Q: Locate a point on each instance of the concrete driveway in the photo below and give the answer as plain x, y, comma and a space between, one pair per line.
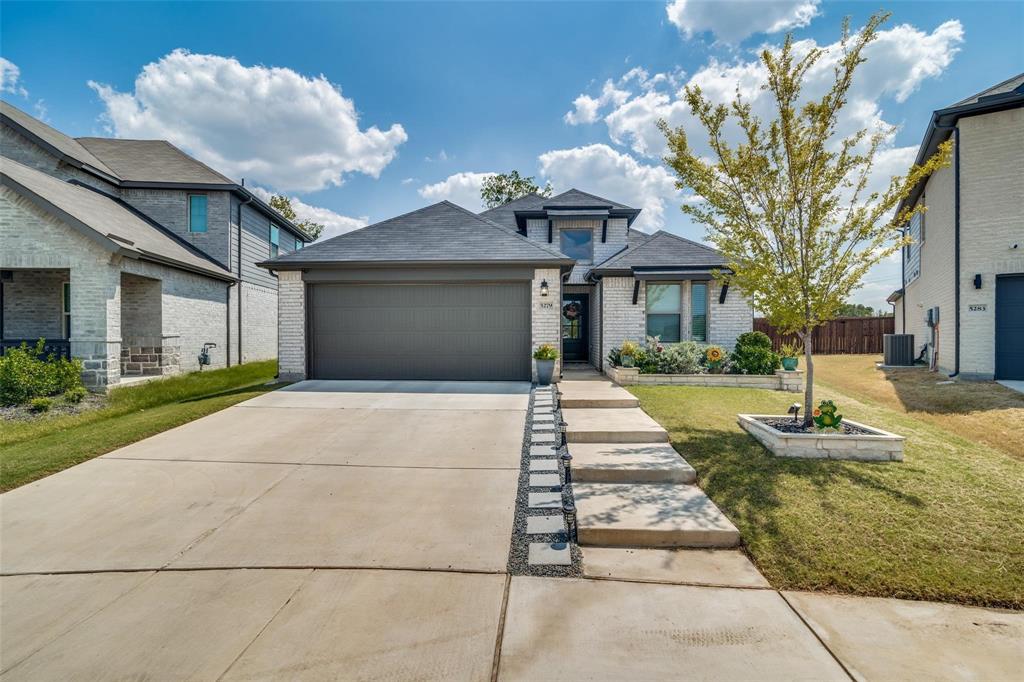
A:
361, 530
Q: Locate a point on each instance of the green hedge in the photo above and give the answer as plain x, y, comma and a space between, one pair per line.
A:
27, 373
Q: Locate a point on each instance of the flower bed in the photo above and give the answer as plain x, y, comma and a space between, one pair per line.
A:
857, 442
781, 380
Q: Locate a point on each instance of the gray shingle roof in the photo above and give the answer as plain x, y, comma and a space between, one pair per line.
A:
1008, 85
506, 213
105, 219
58, 141
578, 198
152, 161
663, 249
440, 233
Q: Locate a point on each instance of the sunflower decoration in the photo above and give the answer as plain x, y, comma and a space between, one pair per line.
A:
714, 356
825, 416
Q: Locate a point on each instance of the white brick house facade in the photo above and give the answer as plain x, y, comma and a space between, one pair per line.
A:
990, 137
146, 292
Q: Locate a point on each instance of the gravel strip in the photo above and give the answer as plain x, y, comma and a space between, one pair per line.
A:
519, 550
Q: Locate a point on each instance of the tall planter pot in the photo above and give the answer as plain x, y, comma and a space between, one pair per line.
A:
545, 370
790, 364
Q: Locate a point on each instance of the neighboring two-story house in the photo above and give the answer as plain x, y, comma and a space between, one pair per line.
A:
963, 275
132, 255
444, 293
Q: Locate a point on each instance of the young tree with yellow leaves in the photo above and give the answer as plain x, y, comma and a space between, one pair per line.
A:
788, 205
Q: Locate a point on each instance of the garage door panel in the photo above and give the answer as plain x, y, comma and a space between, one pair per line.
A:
420, 331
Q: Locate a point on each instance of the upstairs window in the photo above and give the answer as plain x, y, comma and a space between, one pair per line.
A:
298, 244
663, 311
275, 240
578, 244
197, 213
699, 311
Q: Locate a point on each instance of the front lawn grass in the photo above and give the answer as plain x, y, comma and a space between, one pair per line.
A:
33, 449
945, 524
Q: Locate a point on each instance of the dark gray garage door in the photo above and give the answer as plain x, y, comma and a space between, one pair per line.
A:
473, 332
1010, 327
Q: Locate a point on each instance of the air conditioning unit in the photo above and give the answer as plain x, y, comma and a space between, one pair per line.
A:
898, 349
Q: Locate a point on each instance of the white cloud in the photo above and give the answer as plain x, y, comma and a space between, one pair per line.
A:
269, 124
334, 223
585, 107
599, 169
898, 62
441, 156
10, 78
733, 21
462, 189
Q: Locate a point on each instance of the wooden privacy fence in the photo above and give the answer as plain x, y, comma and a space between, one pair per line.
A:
843, 335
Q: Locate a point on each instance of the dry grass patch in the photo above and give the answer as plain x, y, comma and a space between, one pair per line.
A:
981, 411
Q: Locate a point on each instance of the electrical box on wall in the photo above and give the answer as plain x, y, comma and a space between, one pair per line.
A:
931, 318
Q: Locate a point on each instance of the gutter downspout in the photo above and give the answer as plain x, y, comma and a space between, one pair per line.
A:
956, 241
240, 205
227, 323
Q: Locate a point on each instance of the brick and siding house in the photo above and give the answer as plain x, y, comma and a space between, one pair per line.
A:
443, 293
963, 275
132, 255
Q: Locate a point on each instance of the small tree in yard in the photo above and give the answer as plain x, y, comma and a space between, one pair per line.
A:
788, 205
502, 188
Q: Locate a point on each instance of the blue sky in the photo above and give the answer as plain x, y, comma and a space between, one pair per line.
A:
418, 100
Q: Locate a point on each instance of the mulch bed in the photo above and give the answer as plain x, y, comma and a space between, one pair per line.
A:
787, 425
91, 402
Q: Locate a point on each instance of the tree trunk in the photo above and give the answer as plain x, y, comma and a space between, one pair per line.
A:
808, 379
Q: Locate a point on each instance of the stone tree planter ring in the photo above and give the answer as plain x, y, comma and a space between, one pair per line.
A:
868, 444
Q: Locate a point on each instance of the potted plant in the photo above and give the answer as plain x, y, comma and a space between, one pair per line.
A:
545, 355
790, 356
628, 353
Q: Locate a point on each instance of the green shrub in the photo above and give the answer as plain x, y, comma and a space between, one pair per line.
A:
753, 355
26, 373
545, 351
75, 395
677, 358
40, 404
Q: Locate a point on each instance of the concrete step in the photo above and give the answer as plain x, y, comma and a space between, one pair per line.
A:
650, 515
629, 463
612, 425
595, 394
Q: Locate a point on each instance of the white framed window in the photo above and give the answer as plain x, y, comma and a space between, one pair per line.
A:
275, 240
665, 307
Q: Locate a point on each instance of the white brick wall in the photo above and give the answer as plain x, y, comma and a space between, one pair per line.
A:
728, 320
291, 302
259, 322
621, 320
991, 220
935, 285
537, 230
170, 208
33, 304
545, 317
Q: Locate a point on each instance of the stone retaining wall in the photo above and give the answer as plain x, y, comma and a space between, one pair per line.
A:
878, 445
782, 380
150, 356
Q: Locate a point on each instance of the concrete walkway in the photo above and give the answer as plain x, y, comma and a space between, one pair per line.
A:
354, 531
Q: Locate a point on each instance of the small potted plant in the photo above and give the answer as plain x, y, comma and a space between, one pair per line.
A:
790, 356
628, 353
545, 355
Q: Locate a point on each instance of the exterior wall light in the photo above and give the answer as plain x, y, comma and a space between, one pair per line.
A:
543, 287
977, 281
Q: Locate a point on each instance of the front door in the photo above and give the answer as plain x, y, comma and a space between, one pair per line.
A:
575, 325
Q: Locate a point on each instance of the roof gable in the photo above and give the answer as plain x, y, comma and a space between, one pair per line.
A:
574, 198
152, 161
106, 220
440, 233
663, 249
52, 139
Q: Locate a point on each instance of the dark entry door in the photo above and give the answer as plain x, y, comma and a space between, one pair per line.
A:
575, 326
1009, 327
